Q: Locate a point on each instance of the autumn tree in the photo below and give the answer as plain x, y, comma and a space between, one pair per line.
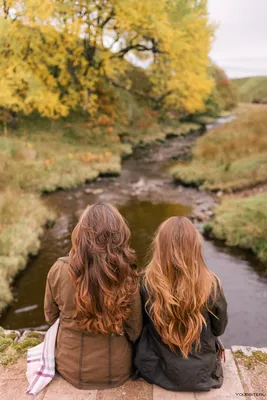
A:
55, 53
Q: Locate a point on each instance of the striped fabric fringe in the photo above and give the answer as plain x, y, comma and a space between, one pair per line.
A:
41, 362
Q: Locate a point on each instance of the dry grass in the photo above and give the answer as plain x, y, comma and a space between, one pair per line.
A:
242, 223
231, 157
22, 218
11, 349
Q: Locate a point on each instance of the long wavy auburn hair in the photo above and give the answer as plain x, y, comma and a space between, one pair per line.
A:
102, 268
179, 285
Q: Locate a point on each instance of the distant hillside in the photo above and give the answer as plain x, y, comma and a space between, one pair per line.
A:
253, 89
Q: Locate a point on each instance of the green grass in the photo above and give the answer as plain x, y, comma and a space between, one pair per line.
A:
231, 157
252, 90
250, 362
242, 223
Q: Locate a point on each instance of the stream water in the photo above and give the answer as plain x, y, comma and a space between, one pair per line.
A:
145, 195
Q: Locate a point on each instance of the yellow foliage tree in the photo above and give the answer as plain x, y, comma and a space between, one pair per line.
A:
55, 53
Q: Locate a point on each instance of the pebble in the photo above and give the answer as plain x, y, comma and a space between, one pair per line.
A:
97, 191
209, 213
141, 183
200, 216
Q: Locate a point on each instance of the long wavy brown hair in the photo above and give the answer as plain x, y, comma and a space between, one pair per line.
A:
102, 268
179, 285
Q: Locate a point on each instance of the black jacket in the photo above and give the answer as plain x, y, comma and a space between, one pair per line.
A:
201, 371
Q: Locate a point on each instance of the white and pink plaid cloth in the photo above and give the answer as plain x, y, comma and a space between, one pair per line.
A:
41, 362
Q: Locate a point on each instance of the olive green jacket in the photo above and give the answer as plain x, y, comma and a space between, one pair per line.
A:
86, 360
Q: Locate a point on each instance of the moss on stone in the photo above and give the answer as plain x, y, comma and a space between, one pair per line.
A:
250, 362
260, 356
11, 351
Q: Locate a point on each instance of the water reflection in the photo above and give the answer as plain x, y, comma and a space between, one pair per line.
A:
144, 218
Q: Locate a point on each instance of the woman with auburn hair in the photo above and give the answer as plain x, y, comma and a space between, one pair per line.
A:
185, 310
95, 293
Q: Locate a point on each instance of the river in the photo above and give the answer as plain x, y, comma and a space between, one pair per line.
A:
145, 195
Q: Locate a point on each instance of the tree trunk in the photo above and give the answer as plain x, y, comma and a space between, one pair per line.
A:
13, 119
5, 128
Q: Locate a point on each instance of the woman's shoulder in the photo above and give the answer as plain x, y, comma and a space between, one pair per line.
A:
61, 266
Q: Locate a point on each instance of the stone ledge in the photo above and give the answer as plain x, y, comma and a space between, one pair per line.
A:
252, 368
238, 380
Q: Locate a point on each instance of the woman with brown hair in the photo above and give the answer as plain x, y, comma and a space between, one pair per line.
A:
95, 293
185, 310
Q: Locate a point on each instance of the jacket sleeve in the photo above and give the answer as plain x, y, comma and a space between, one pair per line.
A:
51, 309
220, 318
133, 326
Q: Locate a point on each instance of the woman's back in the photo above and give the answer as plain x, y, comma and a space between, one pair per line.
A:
84, 359
184, 311
94, 345
202, 370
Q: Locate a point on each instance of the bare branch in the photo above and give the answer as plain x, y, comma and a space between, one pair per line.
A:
6, 9
156, 100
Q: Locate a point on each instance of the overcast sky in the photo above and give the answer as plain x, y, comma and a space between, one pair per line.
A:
240, 46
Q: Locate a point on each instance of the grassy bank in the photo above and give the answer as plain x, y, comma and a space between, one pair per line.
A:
242, 223
252, 89
22, 217
230, 157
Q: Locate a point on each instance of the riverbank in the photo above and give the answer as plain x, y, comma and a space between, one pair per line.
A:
42, 158
231, 161
23, 217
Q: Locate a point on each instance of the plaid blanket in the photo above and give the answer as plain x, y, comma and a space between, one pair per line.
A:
41, 362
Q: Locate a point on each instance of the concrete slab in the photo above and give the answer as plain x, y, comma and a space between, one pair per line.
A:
131, 390
13, 389
13, 383
252, 371
162, 394
14, 371
60, 389
231, 384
